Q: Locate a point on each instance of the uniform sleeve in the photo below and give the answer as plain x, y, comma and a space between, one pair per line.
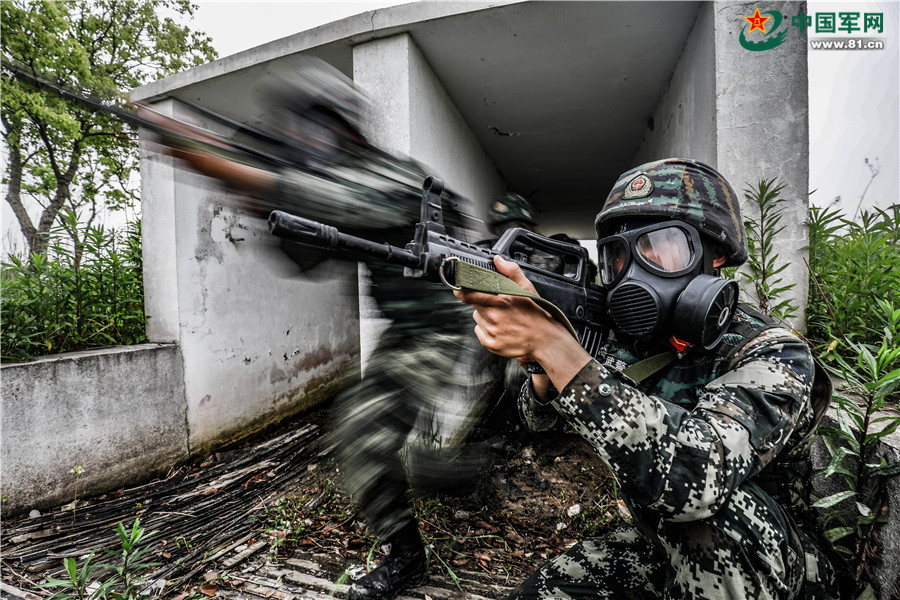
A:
373, 192
684, 463
535, 416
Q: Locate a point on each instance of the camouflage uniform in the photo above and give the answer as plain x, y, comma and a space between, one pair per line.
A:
377, 196
712, 451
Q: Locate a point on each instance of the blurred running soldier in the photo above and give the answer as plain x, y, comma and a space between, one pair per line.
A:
343, 181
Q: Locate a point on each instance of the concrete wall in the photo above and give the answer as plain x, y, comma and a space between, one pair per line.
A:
684, 122
259, 340
746, 114
119, 413
762, 128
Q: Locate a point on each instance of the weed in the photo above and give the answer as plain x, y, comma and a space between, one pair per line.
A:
122, 580
87, 291
762, 270
853, 268
853, 516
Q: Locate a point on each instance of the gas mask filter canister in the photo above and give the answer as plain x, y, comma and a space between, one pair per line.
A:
658, 285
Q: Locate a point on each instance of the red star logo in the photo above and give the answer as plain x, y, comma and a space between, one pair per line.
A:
757, 21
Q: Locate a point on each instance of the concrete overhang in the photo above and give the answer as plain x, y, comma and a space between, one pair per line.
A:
559, 94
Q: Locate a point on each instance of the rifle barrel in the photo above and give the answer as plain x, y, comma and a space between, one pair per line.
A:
235, 151
317, 234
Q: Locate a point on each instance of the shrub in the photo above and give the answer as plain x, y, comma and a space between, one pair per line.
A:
853, 266
78, 295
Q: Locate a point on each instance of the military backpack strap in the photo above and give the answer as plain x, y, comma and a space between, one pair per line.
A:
651, 365
822, 388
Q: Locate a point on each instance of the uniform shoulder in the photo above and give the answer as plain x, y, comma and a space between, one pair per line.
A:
751, 329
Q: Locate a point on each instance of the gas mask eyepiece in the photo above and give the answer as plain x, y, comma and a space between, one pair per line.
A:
657, 287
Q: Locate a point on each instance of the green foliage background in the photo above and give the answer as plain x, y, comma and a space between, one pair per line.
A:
60, 154
75, 296
852, 266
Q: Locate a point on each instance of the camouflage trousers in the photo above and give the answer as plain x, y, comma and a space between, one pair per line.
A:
408, 377
747, 550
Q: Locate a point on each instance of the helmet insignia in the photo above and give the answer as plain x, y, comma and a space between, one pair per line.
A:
639, 187
500, 207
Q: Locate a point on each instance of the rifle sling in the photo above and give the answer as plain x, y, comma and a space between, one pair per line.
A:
643, 369
478, 279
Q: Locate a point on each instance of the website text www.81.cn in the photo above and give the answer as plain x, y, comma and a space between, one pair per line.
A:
847, 44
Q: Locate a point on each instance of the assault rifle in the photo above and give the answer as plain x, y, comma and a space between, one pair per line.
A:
564, 281
276, 151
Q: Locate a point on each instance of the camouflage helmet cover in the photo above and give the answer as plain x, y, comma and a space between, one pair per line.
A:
510, 207
304, 83
679, 189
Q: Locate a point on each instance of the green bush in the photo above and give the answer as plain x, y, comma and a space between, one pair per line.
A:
853, 267
79, 295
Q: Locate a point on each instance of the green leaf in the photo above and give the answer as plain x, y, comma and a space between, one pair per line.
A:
830, 501
833, 535
888, 470
891, 428
71, 568
832, 432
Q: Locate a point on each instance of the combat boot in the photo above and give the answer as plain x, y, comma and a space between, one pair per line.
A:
406, 566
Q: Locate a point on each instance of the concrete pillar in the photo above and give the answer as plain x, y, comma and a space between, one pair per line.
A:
413, 115
762, 127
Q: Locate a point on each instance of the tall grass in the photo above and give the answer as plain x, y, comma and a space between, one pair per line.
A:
853, 266
87, 291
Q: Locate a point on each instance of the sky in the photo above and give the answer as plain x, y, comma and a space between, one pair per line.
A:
854, 114
854, 104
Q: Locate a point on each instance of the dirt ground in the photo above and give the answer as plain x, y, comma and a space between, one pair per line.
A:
519, 499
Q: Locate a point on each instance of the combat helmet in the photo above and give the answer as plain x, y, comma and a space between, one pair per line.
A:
510, 207
306, 83
679, 189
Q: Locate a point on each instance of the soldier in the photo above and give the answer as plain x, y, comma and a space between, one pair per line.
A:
712, 445
341, 180
509, 211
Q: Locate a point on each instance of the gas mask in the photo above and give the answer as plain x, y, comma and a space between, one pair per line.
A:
659, 284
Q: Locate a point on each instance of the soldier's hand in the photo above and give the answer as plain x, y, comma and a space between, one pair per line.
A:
517, 327
506, 325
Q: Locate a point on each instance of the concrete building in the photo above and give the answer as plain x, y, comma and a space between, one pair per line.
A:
549, 99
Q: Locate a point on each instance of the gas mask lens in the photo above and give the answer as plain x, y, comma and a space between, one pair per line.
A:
668, 249
613, 255
665, 248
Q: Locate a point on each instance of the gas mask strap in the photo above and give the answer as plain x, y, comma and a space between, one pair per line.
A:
709, 255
